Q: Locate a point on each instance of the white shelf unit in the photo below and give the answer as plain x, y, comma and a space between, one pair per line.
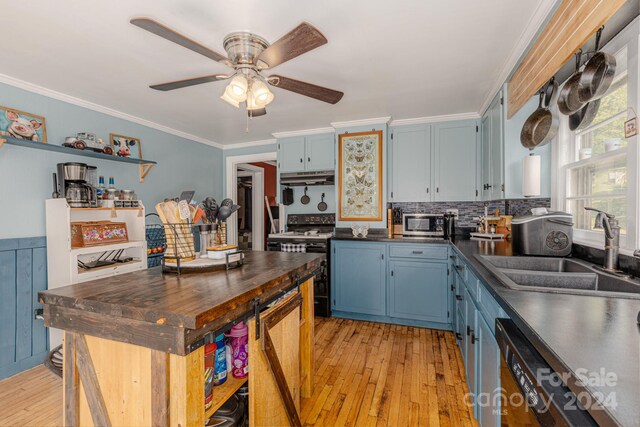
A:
62, 259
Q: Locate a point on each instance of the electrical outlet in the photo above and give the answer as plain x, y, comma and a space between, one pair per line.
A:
454, 212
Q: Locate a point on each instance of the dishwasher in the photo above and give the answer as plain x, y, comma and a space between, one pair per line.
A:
534, 395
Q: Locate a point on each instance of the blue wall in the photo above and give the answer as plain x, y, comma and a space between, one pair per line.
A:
25, 174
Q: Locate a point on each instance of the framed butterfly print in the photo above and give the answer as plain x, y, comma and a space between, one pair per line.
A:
360, 176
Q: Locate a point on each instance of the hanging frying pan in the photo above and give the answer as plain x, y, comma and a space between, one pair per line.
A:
322, 206
541, 126
568, 100
305, 199
584, 116
597, 76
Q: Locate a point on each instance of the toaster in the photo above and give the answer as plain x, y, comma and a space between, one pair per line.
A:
546, 234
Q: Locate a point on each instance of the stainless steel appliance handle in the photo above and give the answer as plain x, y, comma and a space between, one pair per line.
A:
557, 221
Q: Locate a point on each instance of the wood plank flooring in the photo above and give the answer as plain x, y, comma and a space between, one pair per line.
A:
367, 374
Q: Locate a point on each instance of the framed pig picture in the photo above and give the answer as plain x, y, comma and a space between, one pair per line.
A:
360, 176
22, 125
126, 146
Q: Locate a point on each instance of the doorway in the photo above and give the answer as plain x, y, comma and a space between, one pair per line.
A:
248, 179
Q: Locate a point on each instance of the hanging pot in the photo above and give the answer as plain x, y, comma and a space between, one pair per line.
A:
322, 206
597, 76
568, 99
583, 117
305, 199
541, 126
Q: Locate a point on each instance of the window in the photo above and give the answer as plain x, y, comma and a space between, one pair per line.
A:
597, 165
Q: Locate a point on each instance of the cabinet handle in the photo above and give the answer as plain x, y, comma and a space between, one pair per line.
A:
459, 297
458, 336
427, 190
458, 267
474, 339
301, 160
469, 330
437, 189
308, 159
417, 252
391, 273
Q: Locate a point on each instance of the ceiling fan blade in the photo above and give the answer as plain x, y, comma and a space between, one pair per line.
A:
189, 82
167, 33
307, 89
302, 39
257, 113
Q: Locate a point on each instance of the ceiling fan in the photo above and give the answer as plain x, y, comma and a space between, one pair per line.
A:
249, 55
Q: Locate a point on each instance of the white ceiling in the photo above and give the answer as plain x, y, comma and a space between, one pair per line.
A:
399, 58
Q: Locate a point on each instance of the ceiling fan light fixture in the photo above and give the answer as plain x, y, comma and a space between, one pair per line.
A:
262, 96
229, 97
239, 86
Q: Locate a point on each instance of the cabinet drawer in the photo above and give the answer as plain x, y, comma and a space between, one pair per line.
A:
419, 251
489, 308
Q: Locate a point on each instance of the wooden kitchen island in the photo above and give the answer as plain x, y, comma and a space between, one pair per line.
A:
134, 344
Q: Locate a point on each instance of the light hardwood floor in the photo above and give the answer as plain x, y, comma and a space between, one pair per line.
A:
366, 374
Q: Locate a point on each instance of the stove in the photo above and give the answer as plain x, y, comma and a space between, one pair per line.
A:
309, 233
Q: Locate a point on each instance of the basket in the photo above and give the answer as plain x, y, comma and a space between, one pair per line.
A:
96, 233
180, 242
156, 242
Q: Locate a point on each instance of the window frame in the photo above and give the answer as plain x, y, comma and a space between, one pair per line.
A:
565, 146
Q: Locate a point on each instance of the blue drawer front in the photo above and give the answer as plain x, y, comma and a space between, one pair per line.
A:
412, 250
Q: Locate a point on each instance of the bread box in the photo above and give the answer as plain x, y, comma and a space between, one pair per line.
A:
96, 233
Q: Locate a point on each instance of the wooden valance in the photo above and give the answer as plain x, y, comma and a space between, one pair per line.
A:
573, 23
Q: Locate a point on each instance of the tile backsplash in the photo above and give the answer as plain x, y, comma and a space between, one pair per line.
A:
468, 210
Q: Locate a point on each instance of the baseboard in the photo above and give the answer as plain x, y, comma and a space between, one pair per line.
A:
392, 320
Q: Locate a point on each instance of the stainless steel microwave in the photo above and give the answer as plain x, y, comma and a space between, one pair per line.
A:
420, 224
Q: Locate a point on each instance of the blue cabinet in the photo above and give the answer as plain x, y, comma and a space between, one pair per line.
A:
306, 153
411, 164
492, 164
488, 376
456, 161
471, 337
358, 277
320, 151
418, 290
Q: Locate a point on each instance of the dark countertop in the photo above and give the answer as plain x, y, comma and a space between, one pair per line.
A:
576, 334
176, 309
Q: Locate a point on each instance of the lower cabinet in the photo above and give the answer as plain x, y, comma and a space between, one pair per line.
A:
488, 376
418, 290
471, 337
359, 274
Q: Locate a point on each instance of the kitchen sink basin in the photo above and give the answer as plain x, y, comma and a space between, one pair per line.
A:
560, 275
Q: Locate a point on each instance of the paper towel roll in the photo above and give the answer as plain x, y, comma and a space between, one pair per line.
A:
531, 176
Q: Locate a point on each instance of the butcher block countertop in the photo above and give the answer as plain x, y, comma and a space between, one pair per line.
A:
169, 312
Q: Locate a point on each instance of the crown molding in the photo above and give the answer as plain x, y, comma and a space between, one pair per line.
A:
31, 87
540, 15
303, 132
249, 144
433, 119
364, 122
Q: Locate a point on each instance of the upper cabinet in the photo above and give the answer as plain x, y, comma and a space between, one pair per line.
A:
411, 164
306, 153
456, 161
433, 162
491, 165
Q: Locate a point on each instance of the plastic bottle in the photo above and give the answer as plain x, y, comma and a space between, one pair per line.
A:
101, 188
112, 183
239, 335
220, 361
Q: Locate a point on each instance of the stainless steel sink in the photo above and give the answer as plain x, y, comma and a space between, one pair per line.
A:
560, 275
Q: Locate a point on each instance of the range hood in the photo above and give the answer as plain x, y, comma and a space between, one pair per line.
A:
292, 179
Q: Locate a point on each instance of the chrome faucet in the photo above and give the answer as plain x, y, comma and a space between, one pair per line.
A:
611, 227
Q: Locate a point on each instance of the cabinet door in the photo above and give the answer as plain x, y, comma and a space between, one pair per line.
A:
455, 161
266, 405
461, 337
488, 376
320, 151
472, 344
496, 148
291, 155
418, 290
359, 273
411, 170
485, 163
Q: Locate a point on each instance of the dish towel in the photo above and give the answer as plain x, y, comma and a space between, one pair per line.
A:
293, 247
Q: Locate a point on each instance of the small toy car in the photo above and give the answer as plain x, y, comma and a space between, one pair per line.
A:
88, 141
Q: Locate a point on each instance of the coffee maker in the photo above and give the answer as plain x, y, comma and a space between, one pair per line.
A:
71, 183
